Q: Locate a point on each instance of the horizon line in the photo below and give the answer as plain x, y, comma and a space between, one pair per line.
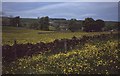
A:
62, 18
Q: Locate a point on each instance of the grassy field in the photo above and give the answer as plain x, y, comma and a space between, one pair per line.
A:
96, 57
22, 35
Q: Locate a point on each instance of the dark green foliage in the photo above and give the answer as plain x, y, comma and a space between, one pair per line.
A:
91, 25
99, 24
34, 25
88, 24
44, 23
40, 24
73, 26
15, 21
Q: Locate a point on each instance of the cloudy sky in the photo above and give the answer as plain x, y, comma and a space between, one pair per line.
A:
79, 10
60, 0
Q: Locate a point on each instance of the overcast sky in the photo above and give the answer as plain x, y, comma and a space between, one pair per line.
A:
60, 0
79, 10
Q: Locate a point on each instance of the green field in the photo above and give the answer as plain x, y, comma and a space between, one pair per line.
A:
95, 57
22, 35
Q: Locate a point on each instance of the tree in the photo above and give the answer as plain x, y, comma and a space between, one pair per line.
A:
91, 25
44, 23
99, 24
73, 26
15, 21
88, 24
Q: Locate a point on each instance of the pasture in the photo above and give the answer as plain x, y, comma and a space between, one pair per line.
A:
22, 35
95, 56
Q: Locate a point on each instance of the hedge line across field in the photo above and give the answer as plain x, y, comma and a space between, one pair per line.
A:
11, 53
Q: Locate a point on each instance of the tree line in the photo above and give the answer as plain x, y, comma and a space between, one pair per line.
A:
43, 23
11, 21
91, 25
88, 24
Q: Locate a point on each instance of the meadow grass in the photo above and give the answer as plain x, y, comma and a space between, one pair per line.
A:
97, 57
22, 35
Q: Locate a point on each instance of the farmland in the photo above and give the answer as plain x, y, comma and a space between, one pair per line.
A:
60, 38
94, 57
22, 35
